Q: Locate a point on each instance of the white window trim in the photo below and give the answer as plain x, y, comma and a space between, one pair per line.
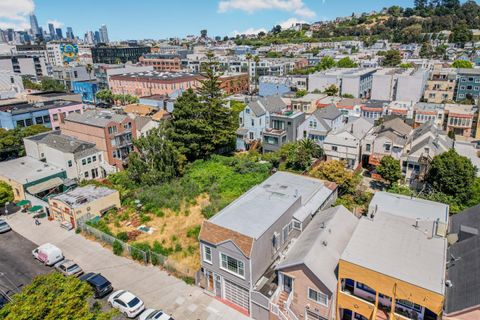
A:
318, 293
229, 271
204, 254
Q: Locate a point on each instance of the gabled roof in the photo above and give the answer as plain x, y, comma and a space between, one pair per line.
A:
321, 244
216, 234
269, 104
358, 128
330, 112
396, 125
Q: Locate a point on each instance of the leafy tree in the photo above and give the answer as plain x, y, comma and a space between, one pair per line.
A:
29, 84
202, 124
105, 95
426, 51
276, 29
117, 248
389, 169
406, 65
54, 296
335, 171
461, 34
326, 63
332, 90
346, 63
462, 64
273, 54
452, 175
298, 155
300, 93
49, 84
11, 141
156, 159
392, 58
6, 193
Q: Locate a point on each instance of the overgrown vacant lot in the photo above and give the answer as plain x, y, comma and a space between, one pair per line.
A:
175, 210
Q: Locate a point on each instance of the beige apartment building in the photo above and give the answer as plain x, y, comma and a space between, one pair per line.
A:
441, 85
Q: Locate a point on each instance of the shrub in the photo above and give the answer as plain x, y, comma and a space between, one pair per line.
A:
78, 230
193, 232
144, 218
178, 247
122, 236
117, 248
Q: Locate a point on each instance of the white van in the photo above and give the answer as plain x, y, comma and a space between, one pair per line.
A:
48, 254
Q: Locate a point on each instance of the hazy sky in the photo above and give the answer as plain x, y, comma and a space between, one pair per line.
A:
138, 19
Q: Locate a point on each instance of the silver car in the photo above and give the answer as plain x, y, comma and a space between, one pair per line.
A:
4, 227
69, 268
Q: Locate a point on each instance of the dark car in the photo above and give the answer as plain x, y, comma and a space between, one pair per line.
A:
3, 300
101, 286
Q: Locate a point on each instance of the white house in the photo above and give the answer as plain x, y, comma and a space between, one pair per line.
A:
255, 118
317, 125
345, 143
80, 159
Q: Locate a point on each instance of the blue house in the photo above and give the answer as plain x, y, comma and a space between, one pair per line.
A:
24, 115
87, 89
274, 86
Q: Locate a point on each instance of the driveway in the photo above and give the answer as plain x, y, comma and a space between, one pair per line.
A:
17, 265
154, 286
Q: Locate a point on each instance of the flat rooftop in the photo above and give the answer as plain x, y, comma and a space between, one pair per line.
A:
96, 118
81, 195
391, 245
257, 209
409, 207
156, 75
27, 169
24, 107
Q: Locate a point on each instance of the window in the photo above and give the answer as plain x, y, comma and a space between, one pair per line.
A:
318, 296
55, 117
86, 174
70, 163
84, 162
46, 119
207, 254
247, 111
297, 225
89, 160
253, 122
334, 148
367, 147
94, 158
39, 120
387, 147
232, 265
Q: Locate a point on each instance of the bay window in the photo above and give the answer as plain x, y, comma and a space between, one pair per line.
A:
232, 265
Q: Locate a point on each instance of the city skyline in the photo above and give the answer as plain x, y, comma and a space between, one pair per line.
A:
220, 18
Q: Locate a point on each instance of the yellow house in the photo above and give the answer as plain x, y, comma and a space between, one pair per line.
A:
83, 202
394, 265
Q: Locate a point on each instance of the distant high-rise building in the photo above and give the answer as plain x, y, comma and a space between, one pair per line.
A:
34, 25
89, 37
104, 34
96, 37
10, 35
59, 33
51, 29
70, 35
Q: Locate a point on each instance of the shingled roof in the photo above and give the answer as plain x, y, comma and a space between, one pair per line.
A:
215, 234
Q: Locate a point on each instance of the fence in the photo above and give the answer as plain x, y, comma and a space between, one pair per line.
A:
145, 256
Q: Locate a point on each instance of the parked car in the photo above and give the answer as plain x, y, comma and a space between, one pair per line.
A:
127, 303
4, 299
48, 254
69, 268
4, 227
152, 314
101, 286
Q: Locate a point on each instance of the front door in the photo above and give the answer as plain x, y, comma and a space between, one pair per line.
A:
287, 284
218, 286
209, 276
72, 221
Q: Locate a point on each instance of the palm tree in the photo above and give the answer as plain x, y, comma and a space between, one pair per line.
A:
89, 68
312, 148
256, 59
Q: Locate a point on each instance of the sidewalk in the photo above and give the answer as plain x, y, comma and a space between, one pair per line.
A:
155, 287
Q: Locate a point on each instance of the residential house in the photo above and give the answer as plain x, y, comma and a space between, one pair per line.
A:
307, 280
11, 84
441, 85
271, 86
29, 176
356, 82
145, 124
387, 139
282, 129
240, 244
468, 84
318, 124
47, 96
83, 203
403, 109
255, 118
373, 109
345, 143
234, 82
307, 103
394, 264
470, 150
429, 112
111, 133
81, 160
424, 143
461, 118
350, 108
399, 84
22, 114
462, 296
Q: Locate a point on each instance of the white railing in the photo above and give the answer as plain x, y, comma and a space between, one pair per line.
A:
287, 307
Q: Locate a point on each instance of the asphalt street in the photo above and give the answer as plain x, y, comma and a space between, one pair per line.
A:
17, 265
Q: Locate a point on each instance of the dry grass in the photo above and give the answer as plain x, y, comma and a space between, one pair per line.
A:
171, 231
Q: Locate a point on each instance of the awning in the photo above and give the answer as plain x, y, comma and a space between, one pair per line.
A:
35, 209
22, 203
46, 185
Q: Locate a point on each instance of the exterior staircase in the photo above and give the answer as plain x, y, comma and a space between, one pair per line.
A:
282, 302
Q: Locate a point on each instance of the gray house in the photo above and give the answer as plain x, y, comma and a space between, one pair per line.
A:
282, 129
241, 244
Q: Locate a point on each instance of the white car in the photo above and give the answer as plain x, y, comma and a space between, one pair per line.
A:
152, 314
127, 303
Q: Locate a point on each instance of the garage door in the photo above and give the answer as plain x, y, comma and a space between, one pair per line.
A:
313, 316
236, 294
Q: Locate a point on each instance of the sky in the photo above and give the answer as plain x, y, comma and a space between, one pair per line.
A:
159, 19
